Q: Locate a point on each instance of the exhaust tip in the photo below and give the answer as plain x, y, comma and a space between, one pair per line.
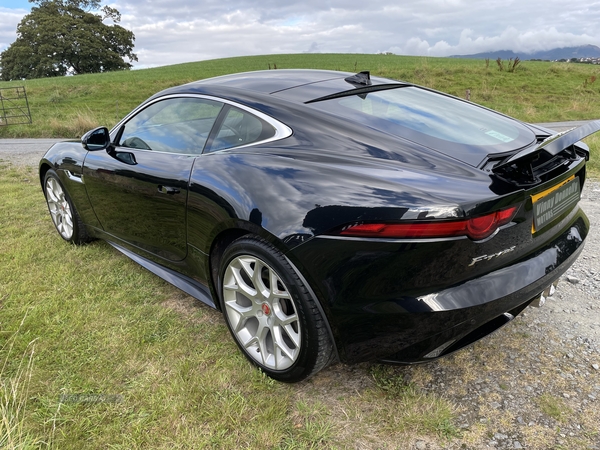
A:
540, 300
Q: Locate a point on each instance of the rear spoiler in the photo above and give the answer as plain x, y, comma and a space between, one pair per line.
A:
554, 144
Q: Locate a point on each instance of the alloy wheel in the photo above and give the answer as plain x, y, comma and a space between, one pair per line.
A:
261, 312
59, 208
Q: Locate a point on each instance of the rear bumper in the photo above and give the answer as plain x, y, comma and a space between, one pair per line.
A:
370, 322
490, 302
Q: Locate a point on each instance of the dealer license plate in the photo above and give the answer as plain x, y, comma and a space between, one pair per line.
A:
551, 203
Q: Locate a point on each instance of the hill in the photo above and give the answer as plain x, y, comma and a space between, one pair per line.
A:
582, 51
535, 92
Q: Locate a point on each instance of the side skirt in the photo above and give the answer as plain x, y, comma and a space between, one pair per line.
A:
186, 284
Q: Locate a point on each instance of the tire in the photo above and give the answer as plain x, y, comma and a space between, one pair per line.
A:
63, 212
270, 313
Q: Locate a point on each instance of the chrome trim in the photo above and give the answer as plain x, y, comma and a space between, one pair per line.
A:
491, 236
392, 241
76, 178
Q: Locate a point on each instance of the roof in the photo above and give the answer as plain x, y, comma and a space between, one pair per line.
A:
297, 85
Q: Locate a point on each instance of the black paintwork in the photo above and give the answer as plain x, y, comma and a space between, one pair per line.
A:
383, 299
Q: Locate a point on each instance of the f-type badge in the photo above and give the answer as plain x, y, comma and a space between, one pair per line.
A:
493, 255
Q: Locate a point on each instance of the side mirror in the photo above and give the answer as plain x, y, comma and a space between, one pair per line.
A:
96, 139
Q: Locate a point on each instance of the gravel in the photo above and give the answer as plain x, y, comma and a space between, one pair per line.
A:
535, 384
25, 152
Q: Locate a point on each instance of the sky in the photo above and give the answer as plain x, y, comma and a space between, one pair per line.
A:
176, 31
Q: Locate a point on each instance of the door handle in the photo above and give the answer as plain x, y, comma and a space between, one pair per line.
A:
167, 190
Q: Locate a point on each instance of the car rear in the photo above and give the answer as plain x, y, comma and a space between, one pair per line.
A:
425, 284
412, 299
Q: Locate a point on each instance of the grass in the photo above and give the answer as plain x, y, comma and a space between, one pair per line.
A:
14, 390
593, 165
554, 407
123, 360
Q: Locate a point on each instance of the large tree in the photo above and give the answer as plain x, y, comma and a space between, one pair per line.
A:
60, 37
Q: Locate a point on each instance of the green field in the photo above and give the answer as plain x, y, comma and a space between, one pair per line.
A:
535, 92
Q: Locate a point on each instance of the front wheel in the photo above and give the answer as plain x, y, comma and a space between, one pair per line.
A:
63, 213
270, 313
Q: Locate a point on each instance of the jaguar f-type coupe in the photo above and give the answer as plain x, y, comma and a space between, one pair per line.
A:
331, 216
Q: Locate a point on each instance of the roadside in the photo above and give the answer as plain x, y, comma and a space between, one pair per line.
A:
25, 152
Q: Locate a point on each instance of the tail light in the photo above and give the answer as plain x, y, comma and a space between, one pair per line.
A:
476, 228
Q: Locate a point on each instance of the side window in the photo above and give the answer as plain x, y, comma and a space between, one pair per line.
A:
240, 128
176, 125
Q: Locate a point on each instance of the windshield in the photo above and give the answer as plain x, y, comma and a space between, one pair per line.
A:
459, 129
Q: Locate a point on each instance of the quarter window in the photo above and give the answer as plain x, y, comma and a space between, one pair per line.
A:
240, 127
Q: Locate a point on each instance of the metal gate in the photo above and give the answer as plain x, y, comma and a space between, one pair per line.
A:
14, 107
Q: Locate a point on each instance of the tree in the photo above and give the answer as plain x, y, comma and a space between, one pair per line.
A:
59, 37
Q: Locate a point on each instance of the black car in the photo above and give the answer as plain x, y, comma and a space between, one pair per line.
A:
331, 216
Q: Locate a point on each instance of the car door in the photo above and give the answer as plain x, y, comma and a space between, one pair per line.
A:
139, 187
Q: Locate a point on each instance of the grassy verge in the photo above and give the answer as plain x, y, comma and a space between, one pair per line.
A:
123, 360
536, 92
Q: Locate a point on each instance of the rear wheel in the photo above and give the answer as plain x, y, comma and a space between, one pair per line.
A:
63, 213
270, 313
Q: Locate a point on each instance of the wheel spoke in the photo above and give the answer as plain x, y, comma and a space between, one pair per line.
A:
52, 190
293, 335
52, 196
262, 334
53, 213
261, 288
246, 265
281, 345
240, 313
284, 320
275, 291
251, 343
68, 220
242, 285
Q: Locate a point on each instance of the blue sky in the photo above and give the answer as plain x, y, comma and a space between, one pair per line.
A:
175, 31
16, 4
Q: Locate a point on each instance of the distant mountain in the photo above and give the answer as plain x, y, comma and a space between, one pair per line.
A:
583, 51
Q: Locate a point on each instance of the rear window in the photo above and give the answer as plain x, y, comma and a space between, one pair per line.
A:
434, 120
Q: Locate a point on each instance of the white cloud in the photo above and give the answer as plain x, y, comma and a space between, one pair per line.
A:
169, 32
9, 19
